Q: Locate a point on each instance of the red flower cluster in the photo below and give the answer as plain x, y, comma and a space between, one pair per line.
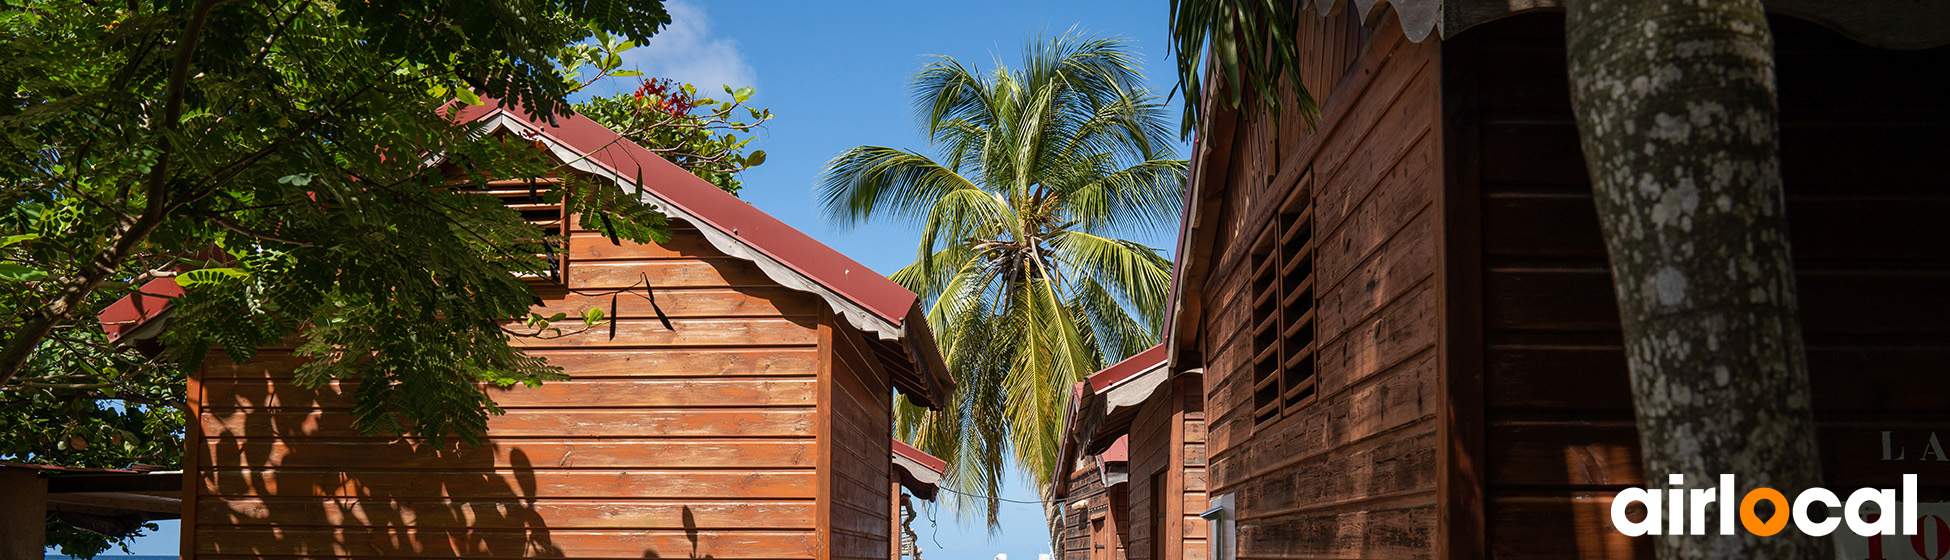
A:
665, 96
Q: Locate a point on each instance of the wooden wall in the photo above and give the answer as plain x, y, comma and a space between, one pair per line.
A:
856, 415
1095, 531
695, 442
1353, 472
1167, 475
1864, 139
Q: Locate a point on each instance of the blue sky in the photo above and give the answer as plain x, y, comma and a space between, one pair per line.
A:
836, 75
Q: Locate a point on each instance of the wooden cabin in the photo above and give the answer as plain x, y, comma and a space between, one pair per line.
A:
1093, 484
744, 412
1404, 317
1138, 409
1096, 522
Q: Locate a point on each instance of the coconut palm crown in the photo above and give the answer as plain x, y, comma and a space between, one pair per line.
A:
1039, 171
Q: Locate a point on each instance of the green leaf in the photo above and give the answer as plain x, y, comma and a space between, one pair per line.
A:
211, 276
592, 316
12, 239
467, 96
297, 180
20, 273
743, 94
757, 157
626, 74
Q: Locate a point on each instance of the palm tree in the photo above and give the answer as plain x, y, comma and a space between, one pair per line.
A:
1040, 169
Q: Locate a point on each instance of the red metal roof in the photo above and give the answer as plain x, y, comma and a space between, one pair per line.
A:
707, 202
727, 213
1127, 368
914, 454
147, 303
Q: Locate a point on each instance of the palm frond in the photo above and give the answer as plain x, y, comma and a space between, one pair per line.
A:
1254, 51
870, 180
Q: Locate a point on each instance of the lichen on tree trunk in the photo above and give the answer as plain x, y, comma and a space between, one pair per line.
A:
1675, 105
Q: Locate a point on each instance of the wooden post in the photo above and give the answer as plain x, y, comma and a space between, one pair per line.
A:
893, 514
23, 514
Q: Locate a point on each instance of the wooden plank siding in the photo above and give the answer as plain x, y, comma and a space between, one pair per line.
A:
1352, 472
1094, 531
702, 441
857, 404
1167, 475
1862, 160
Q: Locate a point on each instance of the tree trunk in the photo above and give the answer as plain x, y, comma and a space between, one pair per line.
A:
1675, 104
1053, 515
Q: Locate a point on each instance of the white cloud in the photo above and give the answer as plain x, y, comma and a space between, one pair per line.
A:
686, 51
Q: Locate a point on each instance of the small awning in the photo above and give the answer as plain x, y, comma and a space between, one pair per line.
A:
1108, 411
919, 472
1114, 464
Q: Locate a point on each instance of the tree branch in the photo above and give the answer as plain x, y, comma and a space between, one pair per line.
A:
75, 288
226, 224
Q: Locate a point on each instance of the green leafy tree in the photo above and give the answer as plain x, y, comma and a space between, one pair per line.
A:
1029, 287
268, 156
699, 134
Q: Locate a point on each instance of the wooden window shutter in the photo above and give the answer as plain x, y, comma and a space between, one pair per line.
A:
1284, 298
528, 197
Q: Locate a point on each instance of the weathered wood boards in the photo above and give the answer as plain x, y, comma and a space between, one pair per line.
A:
1167, 474
752, 427
1350, 474
1470, 388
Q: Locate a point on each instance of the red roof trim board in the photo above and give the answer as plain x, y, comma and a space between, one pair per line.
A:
920, 473
1133, 365
915, 454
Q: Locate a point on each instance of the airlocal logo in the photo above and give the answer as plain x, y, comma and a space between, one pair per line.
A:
1680, 511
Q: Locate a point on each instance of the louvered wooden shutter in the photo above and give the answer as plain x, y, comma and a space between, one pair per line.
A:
1284, 309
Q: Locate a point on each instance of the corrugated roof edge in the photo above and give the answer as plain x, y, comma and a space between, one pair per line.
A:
717, 208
